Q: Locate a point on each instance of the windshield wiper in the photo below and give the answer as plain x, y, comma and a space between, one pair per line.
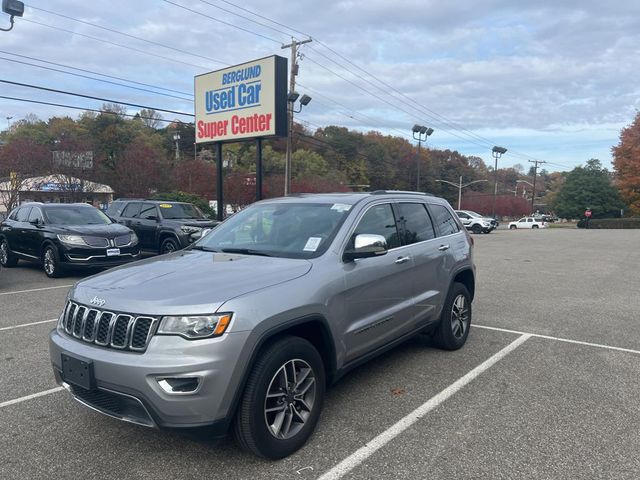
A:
202, 248
245, 251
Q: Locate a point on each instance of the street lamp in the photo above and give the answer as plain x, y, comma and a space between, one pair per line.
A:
291, 100
422, 133
460, 186
497, 152
8, 122
14, 8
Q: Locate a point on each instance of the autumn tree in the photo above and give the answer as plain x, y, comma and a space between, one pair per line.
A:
626, 163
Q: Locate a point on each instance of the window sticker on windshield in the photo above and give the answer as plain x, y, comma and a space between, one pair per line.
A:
165, 205
341, 207
312, 244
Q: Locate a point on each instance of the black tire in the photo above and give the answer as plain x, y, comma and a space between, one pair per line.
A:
251, 428
7, 257
51, 262
512, 227
447, 335
169, 245
534, 226
476, 228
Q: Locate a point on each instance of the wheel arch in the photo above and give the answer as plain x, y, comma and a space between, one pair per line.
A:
467, 278
313, 328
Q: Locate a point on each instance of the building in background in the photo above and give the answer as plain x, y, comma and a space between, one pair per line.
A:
56, 188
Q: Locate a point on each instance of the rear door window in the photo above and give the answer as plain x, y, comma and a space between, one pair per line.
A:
445, 223
131, 210
415, 223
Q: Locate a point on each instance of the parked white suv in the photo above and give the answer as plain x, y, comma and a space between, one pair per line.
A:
475, 222
527, 222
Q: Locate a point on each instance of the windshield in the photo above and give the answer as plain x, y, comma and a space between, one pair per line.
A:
180, 211
474, 214
291, 230
76, 215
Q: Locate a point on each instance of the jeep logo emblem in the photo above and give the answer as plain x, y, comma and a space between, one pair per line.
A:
98, 302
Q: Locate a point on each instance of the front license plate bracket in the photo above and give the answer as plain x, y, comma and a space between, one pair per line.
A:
77, 371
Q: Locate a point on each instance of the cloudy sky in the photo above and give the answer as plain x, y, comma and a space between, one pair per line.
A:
549, 80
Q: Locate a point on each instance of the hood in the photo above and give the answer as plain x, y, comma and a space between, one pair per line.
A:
110, 230
186, 282
191, 222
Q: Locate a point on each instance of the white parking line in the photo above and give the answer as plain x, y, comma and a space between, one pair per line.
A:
360, 455
29, 397
27, 324
559, 339
36, 289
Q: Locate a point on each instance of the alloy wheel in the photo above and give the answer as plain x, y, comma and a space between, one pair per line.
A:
459, 316
290, 399
49, 262
4, 252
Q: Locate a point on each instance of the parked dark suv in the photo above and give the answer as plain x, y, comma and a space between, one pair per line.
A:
60, 236
161, 226
245, 329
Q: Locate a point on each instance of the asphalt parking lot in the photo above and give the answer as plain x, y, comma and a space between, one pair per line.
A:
546, 386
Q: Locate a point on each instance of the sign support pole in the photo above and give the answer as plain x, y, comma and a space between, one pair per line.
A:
219, 193
259, 169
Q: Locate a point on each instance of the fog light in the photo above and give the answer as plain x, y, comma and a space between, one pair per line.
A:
179, 385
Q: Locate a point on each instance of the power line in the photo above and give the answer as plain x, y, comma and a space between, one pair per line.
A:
64, 92
96, 73
96, 79
222, 21
115, 44
113, 30
74, 107
246, 18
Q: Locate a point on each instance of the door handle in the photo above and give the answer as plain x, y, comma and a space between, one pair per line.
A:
401, 260
442, 248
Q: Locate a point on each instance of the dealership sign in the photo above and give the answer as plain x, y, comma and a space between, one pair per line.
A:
242, 102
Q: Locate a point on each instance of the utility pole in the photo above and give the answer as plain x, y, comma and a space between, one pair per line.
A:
292, 88
535, 174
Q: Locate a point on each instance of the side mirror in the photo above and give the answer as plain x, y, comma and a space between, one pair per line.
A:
36, 222
365, 246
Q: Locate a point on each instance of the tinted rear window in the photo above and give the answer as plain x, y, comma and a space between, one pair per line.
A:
415, 223
443, 220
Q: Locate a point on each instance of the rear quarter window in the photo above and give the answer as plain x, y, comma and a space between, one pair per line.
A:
115, 209
444, 221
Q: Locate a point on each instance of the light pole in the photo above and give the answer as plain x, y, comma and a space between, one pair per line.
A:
460, 186
422, 133
8, 122
176, 138
291, 100
497, 152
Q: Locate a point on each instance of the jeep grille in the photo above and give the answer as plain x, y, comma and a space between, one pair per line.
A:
118, 330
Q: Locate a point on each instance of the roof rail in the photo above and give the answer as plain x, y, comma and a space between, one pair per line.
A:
396, 192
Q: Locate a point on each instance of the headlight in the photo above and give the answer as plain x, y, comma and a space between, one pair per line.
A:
189, 230
134, 239
72, 240
197, 326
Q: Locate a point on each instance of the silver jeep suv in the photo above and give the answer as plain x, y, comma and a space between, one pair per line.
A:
245, 329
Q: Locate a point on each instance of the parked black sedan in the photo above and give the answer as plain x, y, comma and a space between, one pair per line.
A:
59, 236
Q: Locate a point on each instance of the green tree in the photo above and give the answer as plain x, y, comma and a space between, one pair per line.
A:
588, 187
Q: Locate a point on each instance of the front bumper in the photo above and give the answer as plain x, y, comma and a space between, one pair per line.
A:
96, 257
126, 383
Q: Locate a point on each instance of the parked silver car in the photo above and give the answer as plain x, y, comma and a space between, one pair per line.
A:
245, 329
